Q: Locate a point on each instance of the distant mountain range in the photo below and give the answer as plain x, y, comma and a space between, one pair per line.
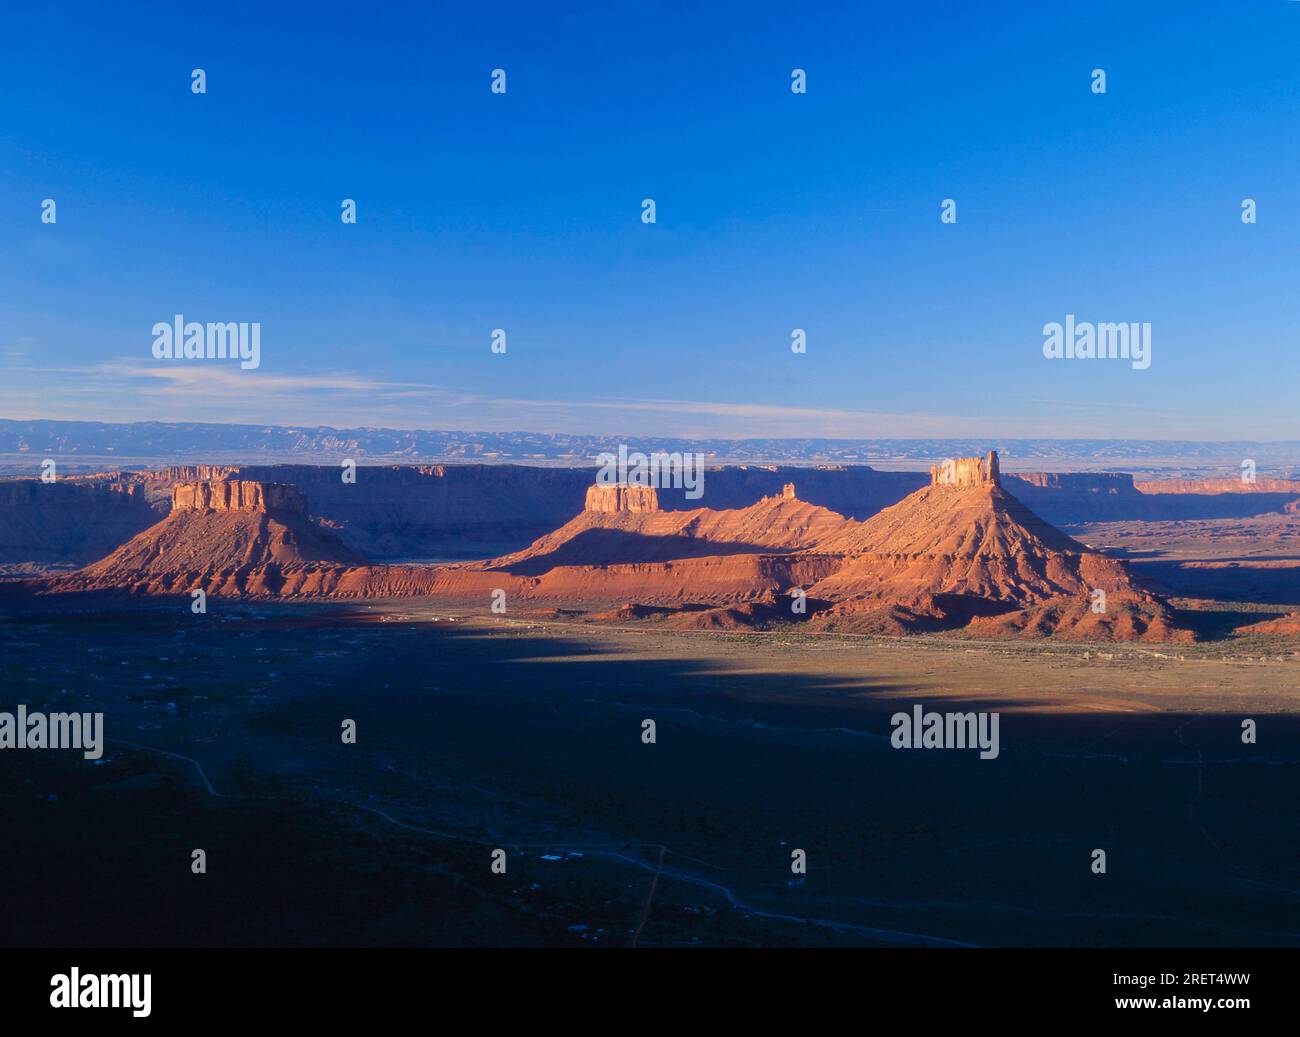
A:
89, 445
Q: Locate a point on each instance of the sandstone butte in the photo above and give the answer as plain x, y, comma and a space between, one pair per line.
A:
964, 552
224, 537
958, 553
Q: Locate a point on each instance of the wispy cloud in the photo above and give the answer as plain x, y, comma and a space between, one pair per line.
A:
132, 390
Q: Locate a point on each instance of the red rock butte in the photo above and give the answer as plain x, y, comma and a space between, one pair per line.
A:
237, 495
621, 497
232, 536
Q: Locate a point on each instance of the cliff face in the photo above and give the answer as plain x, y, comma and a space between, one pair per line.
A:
68, 521
966, 472
607, 499
1077, 497
237, 495
20, 493
1111, 483
434, 511
1082, 497
1283, 486
409, 511
173, 474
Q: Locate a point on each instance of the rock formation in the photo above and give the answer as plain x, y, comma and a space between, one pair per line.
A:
966, 471
237, 495
1067, 498
1290, 487
70, 521
703, 545
224, 537
404, 511
619, 497
960, 552
964, 550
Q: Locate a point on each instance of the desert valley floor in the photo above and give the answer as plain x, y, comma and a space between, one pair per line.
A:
479, 733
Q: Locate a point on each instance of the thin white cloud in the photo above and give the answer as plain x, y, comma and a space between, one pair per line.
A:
132, 390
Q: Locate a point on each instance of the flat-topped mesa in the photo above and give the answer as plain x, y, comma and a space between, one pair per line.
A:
620, 497
967, 471
1080, 482
237, 495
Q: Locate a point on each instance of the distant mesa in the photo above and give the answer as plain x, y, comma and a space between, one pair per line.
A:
1289, 487
1083, 497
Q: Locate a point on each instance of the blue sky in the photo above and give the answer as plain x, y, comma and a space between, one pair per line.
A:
775, 211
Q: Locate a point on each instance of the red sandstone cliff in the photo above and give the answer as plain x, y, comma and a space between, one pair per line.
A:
1287, 486
616, 498
466, 511
406, 511
69, 521
237, 495
966, 471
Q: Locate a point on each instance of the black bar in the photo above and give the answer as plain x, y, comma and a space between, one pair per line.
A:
538, 987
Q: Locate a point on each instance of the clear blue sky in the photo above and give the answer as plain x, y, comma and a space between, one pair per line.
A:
775, 211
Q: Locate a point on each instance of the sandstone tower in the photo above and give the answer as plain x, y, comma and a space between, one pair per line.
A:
620, 497
237, 495
967, 471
